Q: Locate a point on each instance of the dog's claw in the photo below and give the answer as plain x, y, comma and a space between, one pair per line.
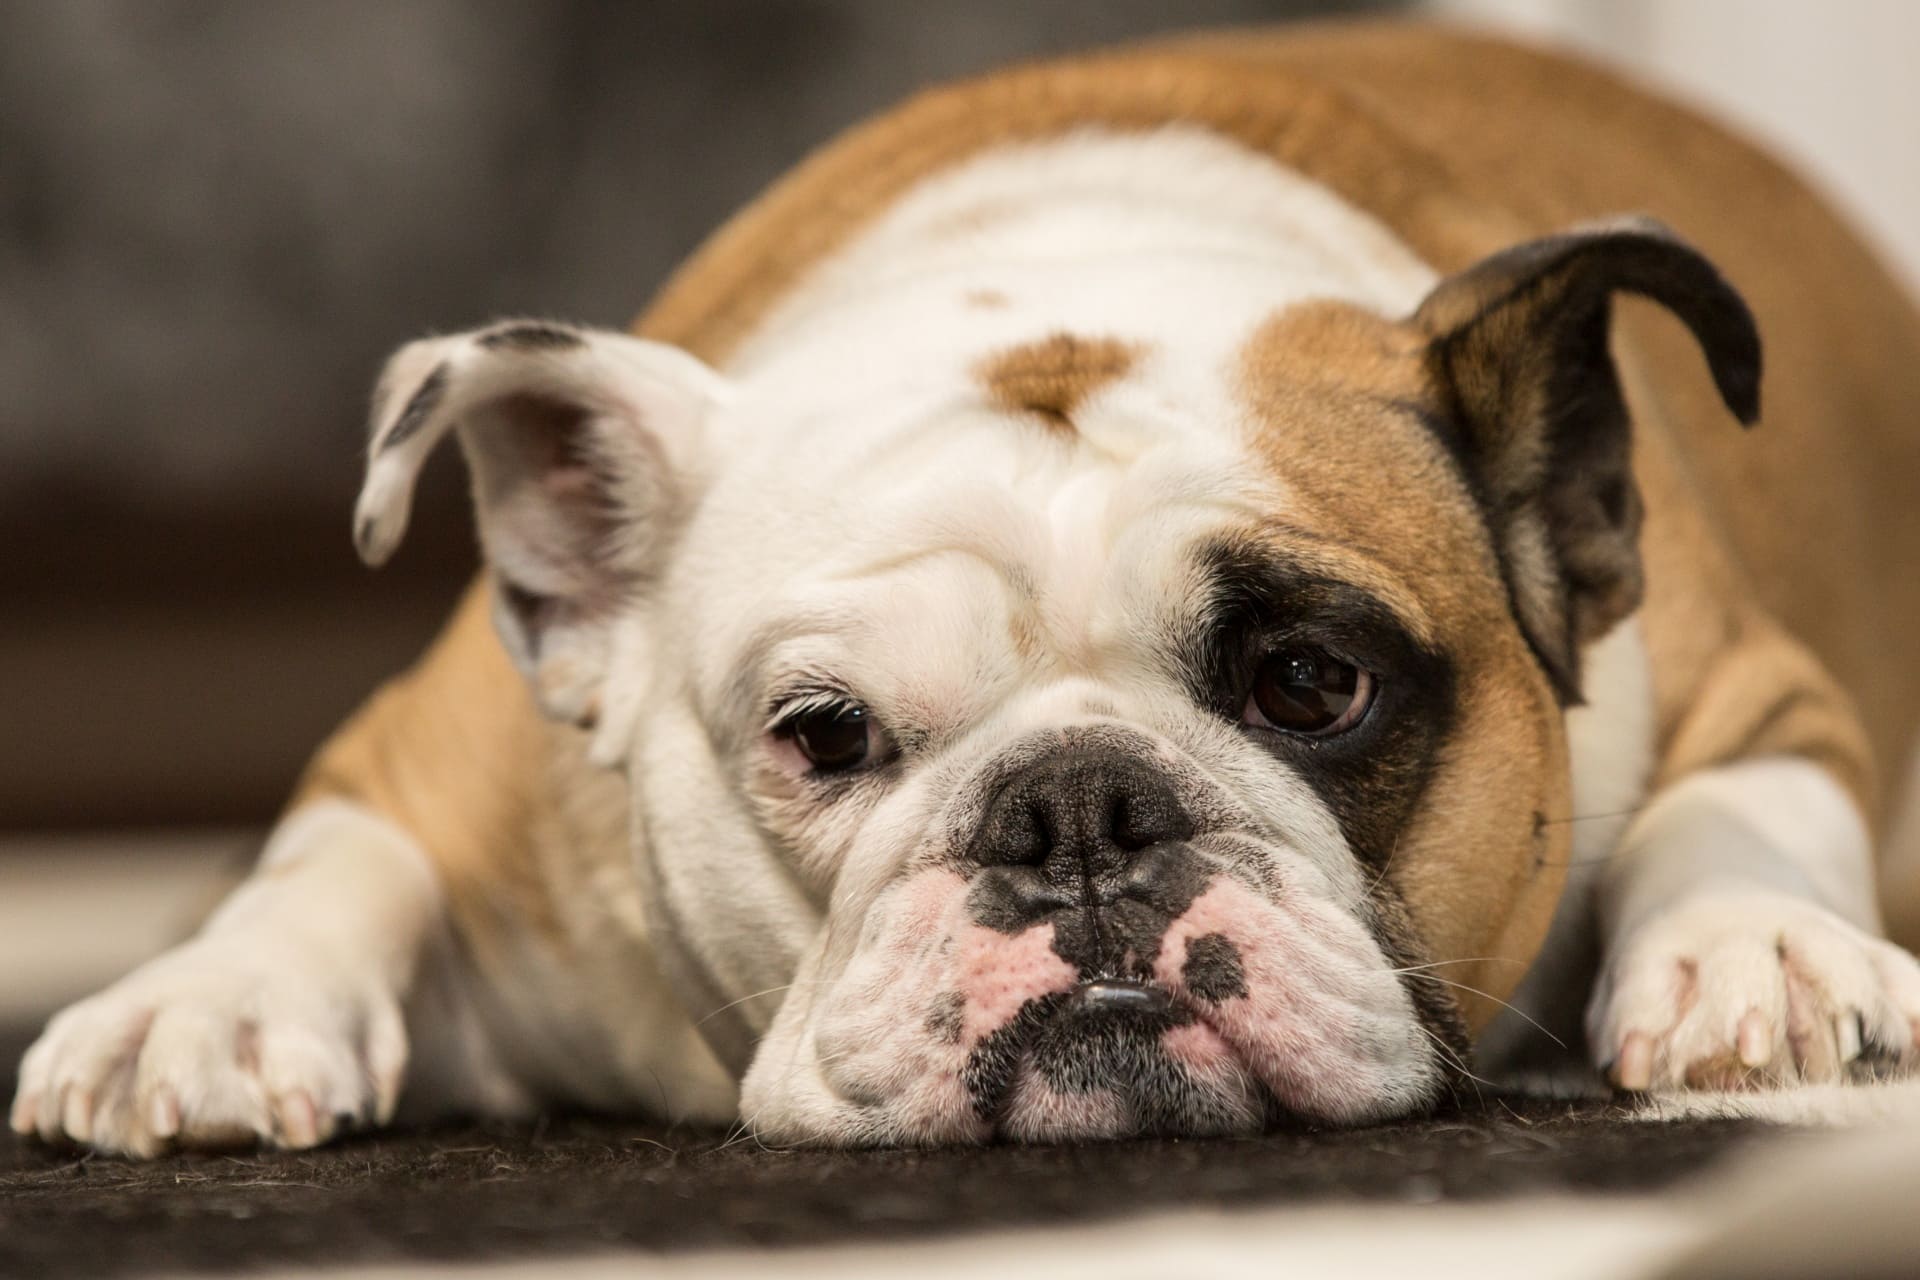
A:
1754, 1039
76, 1115
163, 1114
1750, 990
178, 1055
1633, 1069
298, 1125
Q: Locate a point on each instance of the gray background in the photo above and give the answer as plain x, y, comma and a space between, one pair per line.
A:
217, 216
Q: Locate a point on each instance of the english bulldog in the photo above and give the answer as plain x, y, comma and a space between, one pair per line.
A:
1203, 586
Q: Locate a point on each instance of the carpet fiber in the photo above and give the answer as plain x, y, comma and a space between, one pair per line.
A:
580, 1183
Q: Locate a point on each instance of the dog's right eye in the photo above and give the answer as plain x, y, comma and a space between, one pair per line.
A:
1308, 692
832, 738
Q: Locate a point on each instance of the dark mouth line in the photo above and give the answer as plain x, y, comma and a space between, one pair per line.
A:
1122, 997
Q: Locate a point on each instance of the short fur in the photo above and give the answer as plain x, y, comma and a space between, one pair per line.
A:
1536, 516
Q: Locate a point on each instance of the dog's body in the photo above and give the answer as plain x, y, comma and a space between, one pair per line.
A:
1014, 396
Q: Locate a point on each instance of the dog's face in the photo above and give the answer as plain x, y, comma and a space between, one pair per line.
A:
1070, 734
1091, 720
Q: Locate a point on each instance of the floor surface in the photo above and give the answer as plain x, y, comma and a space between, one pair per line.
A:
577, 1185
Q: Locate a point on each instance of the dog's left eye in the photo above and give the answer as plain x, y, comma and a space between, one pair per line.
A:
831, 739
1307, 691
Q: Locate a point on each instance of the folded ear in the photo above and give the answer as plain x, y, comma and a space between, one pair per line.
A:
1518, 348
586, 448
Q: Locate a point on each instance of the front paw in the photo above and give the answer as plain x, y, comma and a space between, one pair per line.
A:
1751, 988
212, 1046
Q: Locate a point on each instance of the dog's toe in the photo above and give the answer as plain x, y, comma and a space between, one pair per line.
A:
199, 1052
1749, 991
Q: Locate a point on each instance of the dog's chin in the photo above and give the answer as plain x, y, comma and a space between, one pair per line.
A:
1241, 1008
1072, 1069
1064, 1069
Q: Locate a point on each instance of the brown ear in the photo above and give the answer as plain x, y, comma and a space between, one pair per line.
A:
1518, 349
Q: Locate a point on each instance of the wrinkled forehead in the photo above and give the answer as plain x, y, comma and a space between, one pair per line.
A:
1047, 533
935, 469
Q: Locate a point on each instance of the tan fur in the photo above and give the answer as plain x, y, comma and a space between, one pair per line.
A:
456, 752
1772, 559
1482, 865
1808, 528
1050, 379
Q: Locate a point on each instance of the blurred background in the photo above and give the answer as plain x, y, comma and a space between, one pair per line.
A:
217, 216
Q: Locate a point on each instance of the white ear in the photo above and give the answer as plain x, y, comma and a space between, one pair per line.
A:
586, 449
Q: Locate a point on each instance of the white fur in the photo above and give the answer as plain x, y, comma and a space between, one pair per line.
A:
1780, 822
1737, 923
1095, 202
908, 507
1610, 746
281, 1015
840, 497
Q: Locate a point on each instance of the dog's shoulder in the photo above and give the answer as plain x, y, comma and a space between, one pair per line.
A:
456, 751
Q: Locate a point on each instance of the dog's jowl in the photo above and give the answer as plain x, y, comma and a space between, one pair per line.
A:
1180, 591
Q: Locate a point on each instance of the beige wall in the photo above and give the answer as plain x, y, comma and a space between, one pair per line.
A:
1832, 86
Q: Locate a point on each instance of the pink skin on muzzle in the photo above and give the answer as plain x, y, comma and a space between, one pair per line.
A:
1323, 1024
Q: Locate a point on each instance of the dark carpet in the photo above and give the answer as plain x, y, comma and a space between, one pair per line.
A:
578, 1184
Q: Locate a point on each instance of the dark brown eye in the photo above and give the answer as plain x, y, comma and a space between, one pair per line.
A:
1307, 691
832, 738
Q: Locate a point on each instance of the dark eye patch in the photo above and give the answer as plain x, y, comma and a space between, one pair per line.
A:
1372, 777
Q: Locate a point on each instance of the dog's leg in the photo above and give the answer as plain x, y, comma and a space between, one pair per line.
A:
1740, 940
281, 1021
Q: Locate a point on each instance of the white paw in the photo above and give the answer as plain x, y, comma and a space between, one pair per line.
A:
214, 1045
1751, 988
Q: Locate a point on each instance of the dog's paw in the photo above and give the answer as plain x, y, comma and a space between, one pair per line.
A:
1753, 988
210, 1046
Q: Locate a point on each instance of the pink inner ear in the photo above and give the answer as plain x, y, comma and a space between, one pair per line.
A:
571, 484
545, 431
541, 442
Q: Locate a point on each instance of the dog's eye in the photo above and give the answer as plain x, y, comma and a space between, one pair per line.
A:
831, 738
1307, 691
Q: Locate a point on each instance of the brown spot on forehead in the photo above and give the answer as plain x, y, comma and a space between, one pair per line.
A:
1053, 377
986, 299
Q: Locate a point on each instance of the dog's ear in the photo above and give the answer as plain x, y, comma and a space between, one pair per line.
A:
586, 448
1517, 347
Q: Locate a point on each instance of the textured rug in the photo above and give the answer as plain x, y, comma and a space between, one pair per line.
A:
577, 1184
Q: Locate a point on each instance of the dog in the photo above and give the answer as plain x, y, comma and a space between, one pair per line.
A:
1213, 584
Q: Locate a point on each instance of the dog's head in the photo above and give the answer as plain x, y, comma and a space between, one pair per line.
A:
1075, 731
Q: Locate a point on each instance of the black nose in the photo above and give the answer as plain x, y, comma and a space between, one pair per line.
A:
1095, 841
1080, 813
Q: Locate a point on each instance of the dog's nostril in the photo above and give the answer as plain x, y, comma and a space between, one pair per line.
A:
1143, 817
1030, 836
1079, 811
1128, 831
1112, 995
